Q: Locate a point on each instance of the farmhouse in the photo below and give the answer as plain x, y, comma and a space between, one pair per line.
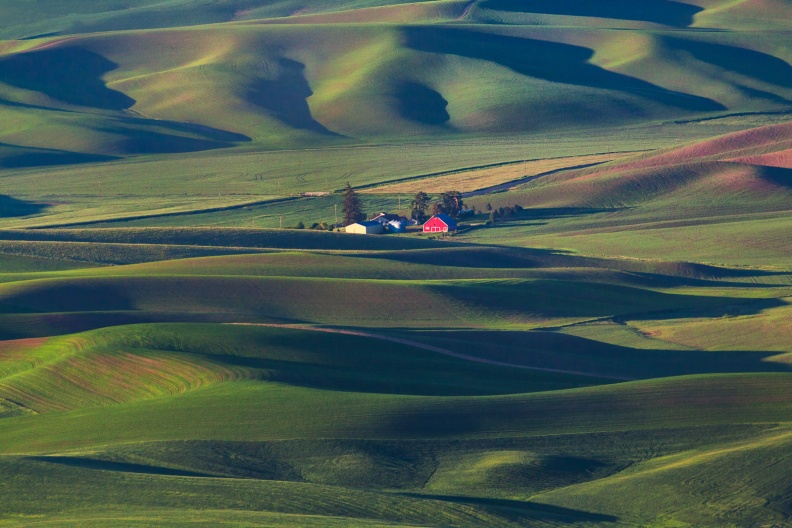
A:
393, 223
366, 228
441, 223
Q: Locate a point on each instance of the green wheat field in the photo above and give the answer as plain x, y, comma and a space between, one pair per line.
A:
614, 352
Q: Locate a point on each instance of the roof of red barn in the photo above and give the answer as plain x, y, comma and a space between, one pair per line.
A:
447, 220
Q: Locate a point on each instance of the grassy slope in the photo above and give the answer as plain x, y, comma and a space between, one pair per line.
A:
190, 401
489, 303
135, 419
714, 195
649, 407
396, 76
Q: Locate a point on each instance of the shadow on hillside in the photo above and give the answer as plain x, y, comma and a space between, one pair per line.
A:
551, 61
664, 12
750, 63
519, 510
778, 175
564, 212
547, 298
72, 75
500, 257
554, 350
540, 215
286, 97
761, 94
417, 102
41, 36
12, 207
34, 157
122, 467
149, 136
65, 297
15, 325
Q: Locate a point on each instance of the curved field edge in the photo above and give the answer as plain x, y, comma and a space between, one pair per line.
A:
238, 414
119, 365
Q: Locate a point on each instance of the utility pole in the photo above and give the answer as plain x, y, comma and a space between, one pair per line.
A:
281, 221
335, 207
279, 193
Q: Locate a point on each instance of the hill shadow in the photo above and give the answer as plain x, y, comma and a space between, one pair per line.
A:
69, 297
72, 75
548, 298
778, 175
417, 102
518, 510
750, 63
286, 97
550, 61
37, 157
12, 207
123, 467
500, 257
666, 12
153, 136
556, 350
761, 94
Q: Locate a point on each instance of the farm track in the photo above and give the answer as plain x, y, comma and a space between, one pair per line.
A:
439, 350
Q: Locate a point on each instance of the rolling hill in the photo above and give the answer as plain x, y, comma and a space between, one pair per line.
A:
615, 352
153, 91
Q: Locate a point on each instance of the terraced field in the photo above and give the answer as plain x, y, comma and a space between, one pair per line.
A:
615, 352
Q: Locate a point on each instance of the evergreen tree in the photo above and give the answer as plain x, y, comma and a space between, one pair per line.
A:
419, 205
353, 207
452, 203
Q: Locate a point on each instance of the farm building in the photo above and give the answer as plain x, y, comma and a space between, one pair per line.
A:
366, 228
385, 218
395, 226
441, 223
392, 223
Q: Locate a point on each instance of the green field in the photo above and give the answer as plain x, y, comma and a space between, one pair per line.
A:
615, 352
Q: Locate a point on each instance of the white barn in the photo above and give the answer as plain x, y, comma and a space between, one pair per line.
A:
366, 228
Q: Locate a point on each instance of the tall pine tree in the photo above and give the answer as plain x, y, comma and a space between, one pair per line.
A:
353, 207
419, 206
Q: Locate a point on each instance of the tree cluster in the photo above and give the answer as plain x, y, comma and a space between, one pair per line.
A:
450, 203
503, 212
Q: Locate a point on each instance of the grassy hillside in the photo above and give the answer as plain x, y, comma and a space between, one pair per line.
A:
463, 423
616, 353
217, 99
699, 201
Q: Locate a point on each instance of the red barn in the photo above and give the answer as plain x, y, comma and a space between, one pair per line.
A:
441, 223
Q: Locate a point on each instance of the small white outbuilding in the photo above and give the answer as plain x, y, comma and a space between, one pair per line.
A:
366, 228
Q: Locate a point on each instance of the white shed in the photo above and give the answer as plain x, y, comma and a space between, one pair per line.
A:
366, 228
